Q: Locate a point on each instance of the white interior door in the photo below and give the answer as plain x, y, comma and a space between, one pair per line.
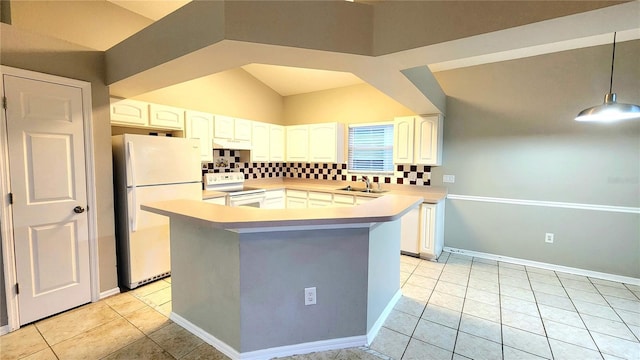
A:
48, 183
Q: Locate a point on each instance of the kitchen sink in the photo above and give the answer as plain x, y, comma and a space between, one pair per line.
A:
372, 191
349, 188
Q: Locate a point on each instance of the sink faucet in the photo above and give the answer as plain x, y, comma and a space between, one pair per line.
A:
367, 182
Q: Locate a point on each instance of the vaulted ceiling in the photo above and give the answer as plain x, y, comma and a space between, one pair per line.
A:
392, 45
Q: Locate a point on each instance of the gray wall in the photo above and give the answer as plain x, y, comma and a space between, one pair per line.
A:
275, 267
509, 133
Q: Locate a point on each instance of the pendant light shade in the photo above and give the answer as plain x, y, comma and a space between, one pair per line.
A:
611, 110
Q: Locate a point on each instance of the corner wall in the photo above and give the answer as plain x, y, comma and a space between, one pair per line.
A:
509, 133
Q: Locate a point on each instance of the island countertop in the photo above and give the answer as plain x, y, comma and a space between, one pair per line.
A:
382, 209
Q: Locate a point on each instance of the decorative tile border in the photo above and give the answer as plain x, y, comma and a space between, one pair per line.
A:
419, 175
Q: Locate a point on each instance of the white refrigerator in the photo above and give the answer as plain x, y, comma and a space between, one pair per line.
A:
148, 169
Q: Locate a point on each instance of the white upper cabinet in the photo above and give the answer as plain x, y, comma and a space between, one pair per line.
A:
428, 140
129, 112
200, 126
276, 143
298, 143
316, 143
418, 140
230, 133
166, 117
261, 142
223, 127
326, 143
403, 140
242, 130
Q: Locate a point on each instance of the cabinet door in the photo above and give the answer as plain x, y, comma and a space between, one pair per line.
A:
276, 143
298, 143
323, 142
223, 127
362, 199
296, 203
274, 199
260, 142
129, 112
166, 117
403, 140
318, 203
242, 130
200, 126
319, 199
428, 140
342, 200
410, 232
427, 230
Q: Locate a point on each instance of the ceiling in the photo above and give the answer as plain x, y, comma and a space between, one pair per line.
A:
288, 81
284, 80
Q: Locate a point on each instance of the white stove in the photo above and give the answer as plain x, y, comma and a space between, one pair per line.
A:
233, 185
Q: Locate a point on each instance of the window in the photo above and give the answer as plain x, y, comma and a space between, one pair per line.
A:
371, 148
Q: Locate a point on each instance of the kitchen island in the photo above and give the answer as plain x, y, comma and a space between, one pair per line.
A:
239, 274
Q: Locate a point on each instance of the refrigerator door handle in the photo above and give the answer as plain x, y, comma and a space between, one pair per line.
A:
134, 202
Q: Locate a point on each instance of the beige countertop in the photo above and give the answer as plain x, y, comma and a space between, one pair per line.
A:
430, 194
382, 209
209, 194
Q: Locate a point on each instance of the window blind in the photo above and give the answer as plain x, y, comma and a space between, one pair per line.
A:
371, 148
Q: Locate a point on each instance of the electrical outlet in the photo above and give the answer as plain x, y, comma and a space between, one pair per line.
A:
449, 178
310, 296
548, 238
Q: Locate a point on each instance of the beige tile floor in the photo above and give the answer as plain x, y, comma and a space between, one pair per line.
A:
456, 308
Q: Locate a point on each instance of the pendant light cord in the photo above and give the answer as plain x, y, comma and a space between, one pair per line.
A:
613, 57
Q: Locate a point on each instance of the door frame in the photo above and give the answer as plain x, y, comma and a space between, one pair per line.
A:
6, 232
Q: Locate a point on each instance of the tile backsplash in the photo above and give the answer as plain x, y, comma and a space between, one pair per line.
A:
230, 161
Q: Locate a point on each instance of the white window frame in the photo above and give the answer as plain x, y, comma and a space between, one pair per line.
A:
389, 148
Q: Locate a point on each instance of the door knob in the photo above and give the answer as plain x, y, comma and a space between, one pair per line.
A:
78, 209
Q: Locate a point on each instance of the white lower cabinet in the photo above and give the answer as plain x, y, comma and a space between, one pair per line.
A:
342, 200
274, 199
431, 230
219, 201
362, 199
296, 199
410, 236
319, 199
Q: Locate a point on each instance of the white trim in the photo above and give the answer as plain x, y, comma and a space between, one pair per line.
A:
547, 266
8, 252
92, 214
6, 217
4, 330
280, 351
556, 204
355, 125
105, 294
383, 317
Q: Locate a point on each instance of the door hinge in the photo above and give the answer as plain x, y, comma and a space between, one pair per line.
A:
4, 102
10, 198
17, 289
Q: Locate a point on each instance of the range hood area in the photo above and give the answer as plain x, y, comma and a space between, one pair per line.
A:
228, 144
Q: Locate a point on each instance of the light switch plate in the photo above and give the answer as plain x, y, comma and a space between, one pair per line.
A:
449, 178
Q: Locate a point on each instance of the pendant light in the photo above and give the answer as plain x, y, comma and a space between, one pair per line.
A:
611, 110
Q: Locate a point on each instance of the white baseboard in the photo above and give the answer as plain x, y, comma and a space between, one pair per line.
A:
4, 330
547, 266
108, 293
383, 317
304, 348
